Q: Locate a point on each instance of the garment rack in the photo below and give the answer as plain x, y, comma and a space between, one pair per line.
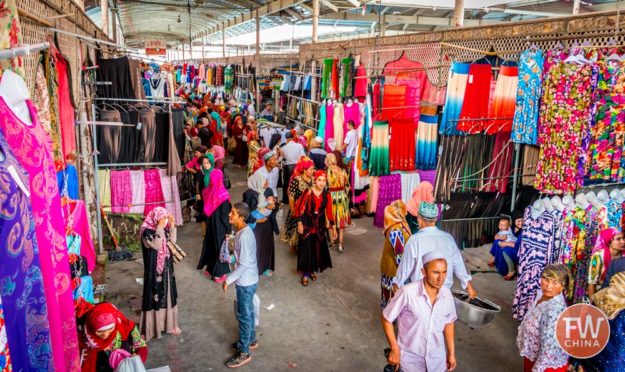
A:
130, 164
22, 50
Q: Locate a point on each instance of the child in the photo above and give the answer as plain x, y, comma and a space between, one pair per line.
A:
505, 233
264, 200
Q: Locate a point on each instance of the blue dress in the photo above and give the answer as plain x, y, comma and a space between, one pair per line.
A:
612, 358
497, 252
529, 91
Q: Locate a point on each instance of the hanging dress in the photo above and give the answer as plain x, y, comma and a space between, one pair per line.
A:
339, 191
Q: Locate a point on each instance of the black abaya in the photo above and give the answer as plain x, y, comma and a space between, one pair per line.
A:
264, 234
217, 226
156, 286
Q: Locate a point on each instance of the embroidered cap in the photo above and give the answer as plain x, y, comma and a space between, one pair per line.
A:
268, 155
429, 211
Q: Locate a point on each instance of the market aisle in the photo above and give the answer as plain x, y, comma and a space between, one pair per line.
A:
332, 325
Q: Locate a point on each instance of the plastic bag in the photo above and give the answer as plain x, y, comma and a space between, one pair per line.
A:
256, 302
224, 252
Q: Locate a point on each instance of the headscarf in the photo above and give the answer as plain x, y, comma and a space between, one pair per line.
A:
603, 242
303, 164
219, 152
207, 173
395, 213
217, 119
319, 173
101, 317
422, 193
215, 194
151, 222
303, 142
256, 182
562, 274
308, 134
330, 160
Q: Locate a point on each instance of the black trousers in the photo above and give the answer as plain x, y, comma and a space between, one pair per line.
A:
287, 171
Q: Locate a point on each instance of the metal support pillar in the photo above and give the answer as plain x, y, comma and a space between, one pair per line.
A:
315, 39
576, 4
98, 211
104, 10
223, 40
258, 65
458, 19
515, 175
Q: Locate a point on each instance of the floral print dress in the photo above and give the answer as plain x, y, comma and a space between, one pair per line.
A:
297, 186
529, 91
565, 112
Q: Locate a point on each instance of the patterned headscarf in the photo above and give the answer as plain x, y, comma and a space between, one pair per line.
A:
422, 193
151, 222
395, 213
330, 160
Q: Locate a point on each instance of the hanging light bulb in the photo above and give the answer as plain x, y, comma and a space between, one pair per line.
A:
179, 20
168, 28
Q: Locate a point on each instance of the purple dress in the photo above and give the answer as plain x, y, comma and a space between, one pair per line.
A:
389, 191
21, 281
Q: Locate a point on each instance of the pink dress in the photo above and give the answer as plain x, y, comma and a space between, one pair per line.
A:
33, 149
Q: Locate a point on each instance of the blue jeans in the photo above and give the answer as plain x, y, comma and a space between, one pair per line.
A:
245, 316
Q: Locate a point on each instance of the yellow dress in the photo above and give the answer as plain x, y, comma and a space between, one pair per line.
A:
339, 191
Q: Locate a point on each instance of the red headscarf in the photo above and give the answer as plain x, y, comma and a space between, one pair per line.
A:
603, 242
99, 317
422, 193
319, 173
303, 164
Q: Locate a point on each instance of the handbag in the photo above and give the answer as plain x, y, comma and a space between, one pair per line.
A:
224, 252
227, 183
177, 253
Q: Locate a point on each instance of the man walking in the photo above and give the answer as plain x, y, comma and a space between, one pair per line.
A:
291, 152
246, 278
270, 170
429, 239
426, 314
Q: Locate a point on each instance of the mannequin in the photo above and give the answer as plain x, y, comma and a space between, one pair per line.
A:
537, 208
592, 199
603, 197
568, 202
615, 195
547, 203
557, 203
582, 201
14, 91
622, 196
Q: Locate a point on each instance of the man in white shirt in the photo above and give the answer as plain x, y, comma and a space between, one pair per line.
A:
270, 170
265, 133
251, 110
429, 238
291, 153
350, 144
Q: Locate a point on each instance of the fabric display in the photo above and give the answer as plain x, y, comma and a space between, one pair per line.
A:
456, 87
529, 91
406, 69
379, 158
389, 191
427, 138
476, 100
347, 76
568, 236
140, 191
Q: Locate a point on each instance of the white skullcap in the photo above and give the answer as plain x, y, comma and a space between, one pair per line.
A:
433, 255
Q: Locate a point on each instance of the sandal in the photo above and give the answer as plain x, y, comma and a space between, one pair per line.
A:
313, 276
304, 281
509, 277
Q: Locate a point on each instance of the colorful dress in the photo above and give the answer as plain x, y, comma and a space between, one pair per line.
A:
564, 117
297, 186
32, 149
5, 356
396, 238
315, 213
615, 213
456, 87
525, 124
538, 235
21, 281
338, 186
379, 162
596, 269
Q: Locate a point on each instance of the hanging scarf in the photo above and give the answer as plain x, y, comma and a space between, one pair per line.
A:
603, 243
215, 194
421, 193
395, 213
151, 222
100, 317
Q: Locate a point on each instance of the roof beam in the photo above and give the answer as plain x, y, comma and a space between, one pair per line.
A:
355, 3
412, 20
294, 13
272, 7
329, 5
526, 12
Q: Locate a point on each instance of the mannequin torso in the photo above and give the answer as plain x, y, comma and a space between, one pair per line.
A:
15, 93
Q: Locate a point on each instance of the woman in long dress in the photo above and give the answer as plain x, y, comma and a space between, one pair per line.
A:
239, 131
265, 228
396, 235
314, 209
300, 181
216, 207
160, 307
202, 180
338, 186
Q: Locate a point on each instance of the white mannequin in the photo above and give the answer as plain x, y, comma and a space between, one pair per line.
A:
603, 197
548, 205
537, 208
615, 195
14, 91
622, 195
591, 197
568, 202
581, 201
557, 203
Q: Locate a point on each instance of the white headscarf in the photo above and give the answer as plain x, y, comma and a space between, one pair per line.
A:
256, 182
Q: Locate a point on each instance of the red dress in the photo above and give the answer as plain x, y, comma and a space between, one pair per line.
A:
312, 252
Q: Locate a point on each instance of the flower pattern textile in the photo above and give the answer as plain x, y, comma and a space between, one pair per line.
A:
538, 239
32, 149
529, 91
615, 213
536, 338
5, 357
565, 110
594, 222
10, 35
21, 281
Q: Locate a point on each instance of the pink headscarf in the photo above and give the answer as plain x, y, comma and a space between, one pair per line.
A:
219, 152
150, 222
215, 194
302, 140
603, 242
422, 193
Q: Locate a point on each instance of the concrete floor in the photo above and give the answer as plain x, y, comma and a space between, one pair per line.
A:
332, 325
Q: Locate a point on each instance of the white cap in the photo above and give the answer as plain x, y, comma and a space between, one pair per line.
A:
433, 255
318, 140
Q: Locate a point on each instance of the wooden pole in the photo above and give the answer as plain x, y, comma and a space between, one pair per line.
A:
458, 19
104, 9
576, 4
